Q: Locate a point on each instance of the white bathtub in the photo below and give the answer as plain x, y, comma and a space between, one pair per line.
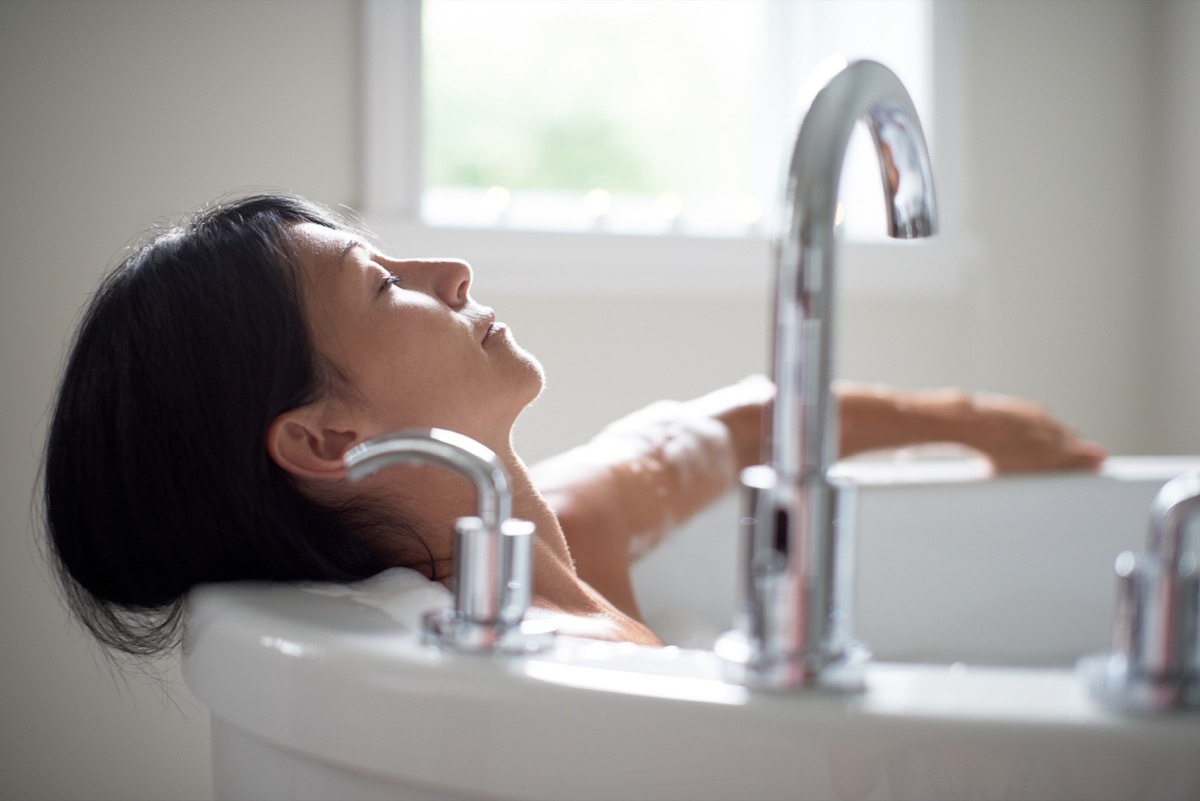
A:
976, 596
952, 566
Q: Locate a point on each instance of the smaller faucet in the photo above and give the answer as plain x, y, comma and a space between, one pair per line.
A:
1155, 661
793, 625
492, 551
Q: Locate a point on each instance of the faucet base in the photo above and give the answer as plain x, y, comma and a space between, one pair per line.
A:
1154, 664
793, 626
747, 665
446, 628
1110, 682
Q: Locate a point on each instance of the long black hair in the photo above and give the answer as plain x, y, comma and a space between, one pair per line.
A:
156, 475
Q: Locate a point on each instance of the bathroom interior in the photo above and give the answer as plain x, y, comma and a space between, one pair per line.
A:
1071, 202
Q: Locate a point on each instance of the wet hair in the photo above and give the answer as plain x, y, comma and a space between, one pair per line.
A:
156, 475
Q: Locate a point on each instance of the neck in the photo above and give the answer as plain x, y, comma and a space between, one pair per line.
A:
556, 585
432, 498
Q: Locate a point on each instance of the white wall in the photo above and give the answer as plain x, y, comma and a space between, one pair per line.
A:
115, 114
1060, 129
1173, 309
1081, 129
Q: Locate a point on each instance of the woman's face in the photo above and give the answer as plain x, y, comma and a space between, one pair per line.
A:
417, 351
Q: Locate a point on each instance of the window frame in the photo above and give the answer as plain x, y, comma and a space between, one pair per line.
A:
536, 262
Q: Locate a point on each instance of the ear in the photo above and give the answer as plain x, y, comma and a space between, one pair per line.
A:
306, 445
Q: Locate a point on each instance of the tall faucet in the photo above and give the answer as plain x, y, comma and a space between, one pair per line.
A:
492, 551
793, 625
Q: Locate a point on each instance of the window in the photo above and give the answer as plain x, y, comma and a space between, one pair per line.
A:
626, 117
612, 135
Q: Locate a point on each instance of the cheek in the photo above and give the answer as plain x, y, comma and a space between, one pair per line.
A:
418, 380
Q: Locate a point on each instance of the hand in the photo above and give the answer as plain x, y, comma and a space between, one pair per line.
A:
1017, 436
1014, 435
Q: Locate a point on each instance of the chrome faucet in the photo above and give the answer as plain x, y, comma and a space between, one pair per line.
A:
793, 624
492, 551
1155, 661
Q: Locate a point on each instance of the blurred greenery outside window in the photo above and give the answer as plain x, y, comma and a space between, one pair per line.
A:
642, 116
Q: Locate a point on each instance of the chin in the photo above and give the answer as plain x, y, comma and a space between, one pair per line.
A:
532, 376
535, 378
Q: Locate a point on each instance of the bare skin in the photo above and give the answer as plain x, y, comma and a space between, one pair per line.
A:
1014, 435
618, 494
410, 348
435, 498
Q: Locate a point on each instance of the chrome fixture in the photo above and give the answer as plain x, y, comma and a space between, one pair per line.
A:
1155, 660
793, 624
492, 551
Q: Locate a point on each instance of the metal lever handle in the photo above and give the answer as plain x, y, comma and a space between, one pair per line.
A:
1155, 660
493, 552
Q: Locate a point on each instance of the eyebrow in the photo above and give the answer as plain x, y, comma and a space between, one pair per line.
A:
353, 243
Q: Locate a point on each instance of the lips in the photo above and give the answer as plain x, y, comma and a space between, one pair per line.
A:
493, 327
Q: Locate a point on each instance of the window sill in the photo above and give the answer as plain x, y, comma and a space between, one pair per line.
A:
545, 263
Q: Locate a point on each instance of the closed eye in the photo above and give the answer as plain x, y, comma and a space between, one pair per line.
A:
390, 281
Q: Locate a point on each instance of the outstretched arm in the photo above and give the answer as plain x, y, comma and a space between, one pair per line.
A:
619, 494
1014, 435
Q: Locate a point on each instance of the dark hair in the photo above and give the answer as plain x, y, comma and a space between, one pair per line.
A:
156, 476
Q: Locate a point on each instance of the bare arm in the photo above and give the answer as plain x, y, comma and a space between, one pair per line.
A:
1013, 434
619, 494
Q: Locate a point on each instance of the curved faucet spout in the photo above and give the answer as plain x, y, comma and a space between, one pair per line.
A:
446, 448
1176, 504
834, 99
793, 624
493, 573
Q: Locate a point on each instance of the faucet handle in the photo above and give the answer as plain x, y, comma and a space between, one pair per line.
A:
1154, 664
485, 594
493, 589
493, 552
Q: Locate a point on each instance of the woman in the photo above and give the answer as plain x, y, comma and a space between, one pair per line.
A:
223, 369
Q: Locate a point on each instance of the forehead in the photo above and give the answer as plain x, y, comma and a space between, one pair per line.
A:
320, 252
315, 241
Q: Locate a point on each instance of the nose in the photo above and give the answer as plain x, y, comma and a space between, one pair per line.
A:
447, 279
